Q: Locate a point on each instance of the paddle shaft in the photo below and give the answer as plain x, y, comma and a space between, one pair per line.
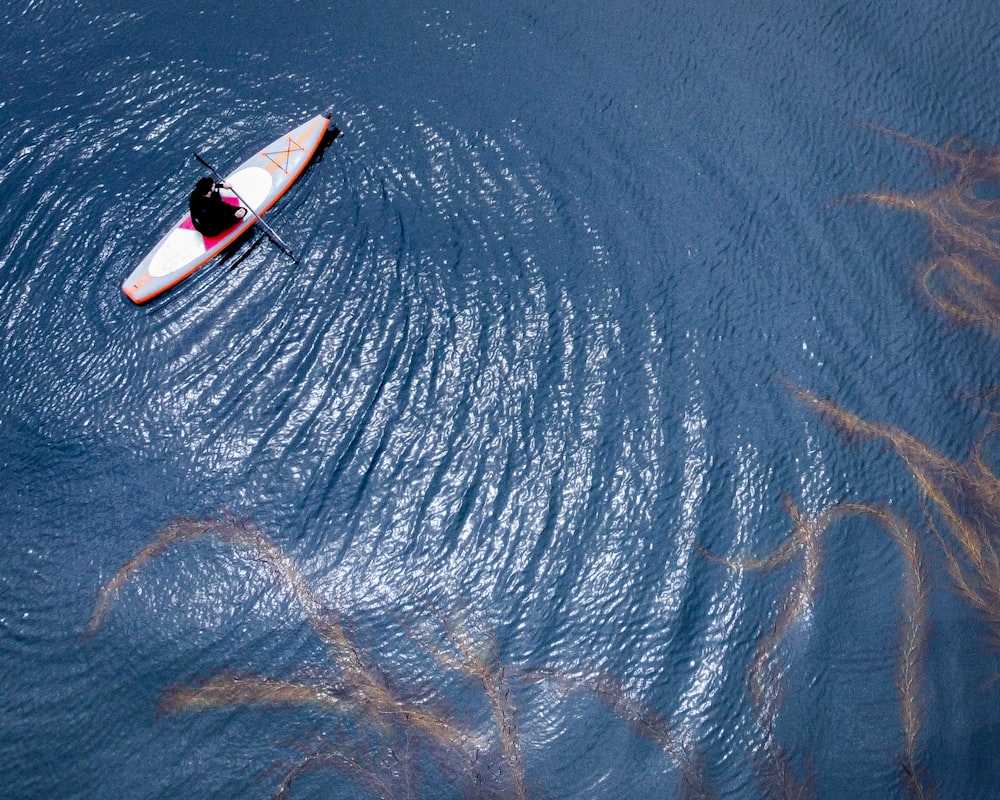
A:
270, 231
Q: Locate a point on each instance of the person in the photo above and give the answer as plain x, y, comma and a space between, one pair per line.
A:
210, 214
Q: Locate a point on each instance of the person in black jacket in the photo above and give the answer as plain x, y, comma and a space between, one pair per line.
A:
210, 214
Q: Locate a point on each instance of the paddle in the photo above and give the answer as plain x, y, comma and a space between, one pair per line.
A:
267, 228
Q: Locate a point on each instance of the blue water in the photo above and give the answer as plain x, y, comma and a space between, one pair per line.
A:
558, 278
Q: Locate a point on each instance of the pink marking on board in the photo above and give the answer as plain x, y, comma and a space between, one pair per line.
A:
212, 241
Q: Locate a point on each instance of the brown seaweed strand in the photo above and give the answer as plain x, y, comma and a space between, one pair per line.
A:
182, 529
646, 723
379, 705
379, 702
912, 636
975, 565
913, 640
243, 690
949, 217
643, 720
490, 672
782, 554
237, 533
934, 474
242, 533
374, 698
965, 231
358, 763
976, 295
766, 686
952, 155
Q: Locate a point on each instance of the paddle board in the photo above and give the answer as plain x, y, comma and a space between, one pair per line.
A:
258, 182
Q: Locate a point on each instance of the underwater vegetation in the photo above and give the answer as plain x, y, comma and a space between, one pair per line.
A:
961, 278
391, 738
963, 216
960, 509
379, 737
777, 777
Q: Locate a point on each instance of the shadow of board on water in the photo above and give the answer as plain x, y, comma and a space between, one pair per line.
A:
385, 741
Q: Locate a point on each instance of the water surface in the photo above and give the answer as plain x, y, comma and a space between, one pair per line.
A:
532, 383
